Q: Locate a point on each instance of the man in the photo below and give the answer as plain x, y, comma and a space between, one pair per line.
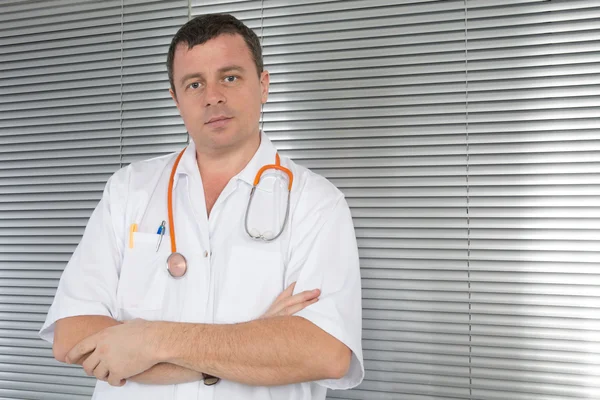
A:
274, 316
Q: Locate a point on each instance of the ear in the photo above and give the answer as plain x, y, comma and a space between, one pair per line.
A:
264, 86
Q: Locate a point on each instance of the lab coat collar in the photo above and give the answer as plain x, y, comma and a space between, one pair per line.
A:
264, 155
187, 165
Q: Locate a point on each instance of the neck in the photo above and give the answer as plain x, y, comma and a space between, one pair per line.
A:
226, 164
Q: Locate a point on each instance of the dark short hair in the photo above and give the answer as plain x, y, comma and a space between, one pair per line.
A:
202, 28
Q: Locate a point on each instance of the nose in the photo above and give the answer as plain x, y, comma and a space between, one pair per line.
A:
214, 95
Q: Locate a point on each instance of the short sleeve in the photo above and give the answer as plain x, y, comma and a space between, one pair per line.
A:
88, 283
324, 255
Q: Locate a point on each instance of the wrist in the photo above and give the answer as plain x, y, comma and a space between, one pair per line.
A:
163, 346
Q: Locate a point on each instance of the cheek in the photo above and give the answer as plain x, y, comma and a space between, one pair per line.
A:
190, 109
251, 111
193, 117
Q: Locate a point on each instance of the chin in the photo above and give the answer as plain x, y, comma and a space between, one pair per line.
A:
222, 141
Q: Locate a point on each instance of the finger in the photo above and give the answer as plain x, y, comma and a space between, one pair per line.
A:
91, 363
297, 307
278, 308
310, 294
285, 299
82, 348
286, 293
101, 372
83, 358
301, 297
115, 380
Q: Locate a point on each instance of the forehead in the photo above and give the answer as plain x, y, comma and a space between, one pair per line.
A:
222, 50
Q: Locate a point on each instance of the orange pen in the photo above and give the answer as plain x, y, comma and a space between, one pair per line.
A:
132, 229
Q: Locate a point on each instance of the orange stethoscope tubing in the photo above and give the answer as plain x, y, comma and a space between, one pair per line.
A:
170, 203
276, 166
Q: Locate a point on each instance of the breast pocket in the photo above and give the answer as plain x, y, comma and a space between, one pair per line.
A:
143, 278
249, 284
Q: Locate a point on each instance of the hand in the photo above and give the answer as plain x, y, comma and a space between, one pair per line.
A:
286, 304
118, 352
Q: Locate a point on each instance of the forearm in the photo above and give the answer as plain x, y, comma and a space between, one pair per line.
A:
166, 374
72, 330
267, 352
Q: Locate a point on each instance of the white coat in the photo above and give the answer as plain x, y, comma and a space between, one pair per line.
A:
231, 277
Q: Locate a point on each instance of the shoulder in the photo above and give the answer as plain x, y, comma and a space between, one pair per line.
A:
130, 187
139, 175
312, 194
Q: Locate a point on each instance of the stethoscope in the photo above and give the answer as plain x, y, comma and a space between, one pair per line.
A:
176, 262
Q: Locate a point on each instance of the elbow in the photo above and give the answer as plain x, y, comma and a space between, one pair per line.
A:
59, 350
340, 363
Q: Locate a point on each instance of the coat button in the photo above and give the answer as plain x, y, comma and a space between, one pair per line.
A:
205, 254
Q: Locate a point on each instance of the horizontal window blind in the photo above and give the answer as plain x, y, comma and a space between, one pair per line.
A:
534, 199
464, 135
60, 73
151, 123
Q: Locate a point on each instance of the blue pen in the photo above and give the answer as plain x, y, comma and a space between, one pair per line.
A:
161, 232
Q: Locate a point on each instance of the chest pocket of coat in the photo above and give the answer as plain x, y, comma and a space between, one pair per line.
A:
249, 284
143, 278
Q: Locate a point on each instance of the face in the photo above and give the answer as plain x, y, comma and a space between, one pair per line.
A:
219, 94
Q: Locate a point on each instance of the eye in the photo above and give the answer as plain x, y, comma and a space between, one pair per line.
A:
231, 78
194, 85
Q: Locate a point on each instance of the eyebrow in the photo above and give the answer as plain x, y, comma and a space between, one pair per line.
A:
227, 68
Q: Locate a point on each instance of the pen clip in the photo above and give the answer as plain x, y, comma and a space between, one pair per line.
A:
161, 232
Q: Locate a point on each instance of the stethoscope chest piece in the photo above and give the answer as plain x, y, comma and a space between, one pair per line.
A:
176, 265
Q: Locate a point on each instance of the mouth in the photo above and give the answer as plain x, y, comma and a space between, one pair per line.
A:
217, 121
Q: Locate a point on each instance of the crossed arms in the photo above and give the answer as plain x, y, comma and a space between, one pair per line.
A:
276, 349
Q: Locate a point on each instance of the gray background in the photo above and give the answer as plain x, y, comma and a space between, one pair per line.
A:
464, 134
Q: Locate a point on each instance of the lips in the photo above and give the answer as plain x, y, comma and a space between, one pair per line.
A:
217, 119
218, 123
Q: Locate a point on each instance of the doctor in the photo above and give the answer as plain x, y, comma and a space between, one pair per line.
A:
263, 300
